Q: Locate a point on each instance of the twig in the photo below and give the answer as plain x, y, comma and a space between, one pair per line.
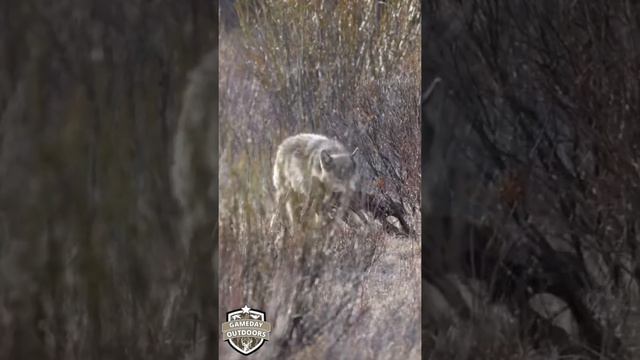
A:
432, 86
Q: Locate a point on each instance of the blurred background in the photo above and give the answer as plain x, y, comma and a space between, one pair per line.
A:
531, 180
91, 265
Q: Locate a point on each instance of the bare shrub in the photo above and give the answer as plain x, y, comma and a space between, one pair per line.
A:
541, 99
309, 67
311, 57
90, 262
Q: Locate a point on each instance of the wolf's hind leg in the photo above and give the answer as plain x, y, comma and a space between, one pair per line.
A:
291, 208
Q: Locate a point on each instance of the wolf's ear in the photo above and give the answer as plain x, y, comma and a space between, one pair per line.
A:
326, 159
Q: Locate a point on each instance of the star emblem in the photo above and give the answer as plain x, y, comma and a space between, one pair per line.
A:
245, 309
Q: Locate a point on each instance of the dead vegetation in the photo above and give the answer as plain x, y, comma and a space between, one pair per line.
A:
334, 68
91, 266
534, 126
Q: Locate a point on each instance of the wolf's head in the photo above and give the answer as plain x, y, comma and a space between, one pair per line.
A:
339, 171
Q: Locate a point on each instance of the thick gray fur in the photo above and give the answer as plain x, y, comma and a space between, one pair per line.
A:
308, 170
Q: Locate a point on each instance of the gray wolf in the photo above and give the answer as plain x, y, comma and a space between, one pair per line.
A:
309, 169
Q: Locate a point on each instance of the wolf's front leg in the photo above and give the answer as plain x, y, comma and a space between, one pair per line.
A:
320, 212
308, 212
343, 206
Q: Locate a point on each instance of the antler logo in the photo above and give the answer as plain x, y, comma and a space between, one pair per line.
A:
246, 329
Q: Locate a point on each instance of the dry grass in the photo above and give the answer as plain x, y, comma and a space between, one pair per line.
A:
90, 262
342, 292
